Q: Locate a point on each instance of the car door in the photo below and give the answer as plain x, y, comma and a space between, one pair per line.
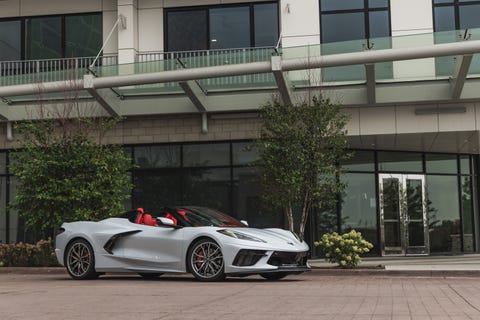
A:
155, 247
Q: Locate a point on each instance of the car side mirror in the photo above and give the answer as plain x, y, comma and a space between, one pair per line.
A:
162, 221
244, 223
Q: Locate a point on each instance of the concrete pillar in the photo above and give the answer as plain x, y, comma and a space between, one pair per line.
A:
128, 36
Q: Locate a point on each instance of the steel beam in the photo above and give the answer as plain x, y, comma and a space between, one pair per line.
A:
99, 97
195, 93
281, 79
460, 74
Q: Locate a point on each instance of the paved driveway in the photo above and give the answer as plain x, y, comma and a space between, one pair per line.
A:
308, 296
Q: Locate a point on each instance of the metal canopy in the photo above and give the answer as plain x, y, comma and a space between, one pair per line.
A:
367, 92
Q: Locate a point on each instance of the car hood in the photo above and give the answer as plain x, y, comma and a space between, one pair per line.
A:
277, 237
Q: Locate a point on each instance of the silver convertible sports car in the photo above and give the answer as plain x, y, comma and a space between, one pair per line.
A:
208, 244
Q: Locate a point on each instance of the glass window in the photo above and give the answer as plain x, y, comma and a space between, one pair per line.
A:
242, 156
187, 30
467, 211
354, 20
377, 3
359, 205
465, 164
265, 24
43, 38
400, 162
343, 27
247, 201
444, 19
83, 35
202, 155
379, 24
360, 161
468, 16
456, 14
230, 27
443, 214
157, 156
441, 163
156, 189
341, 5
208, 188
10, 40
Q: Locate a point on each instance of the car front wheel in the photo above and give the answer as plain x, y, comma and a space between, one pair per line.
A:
80, 260
205, 260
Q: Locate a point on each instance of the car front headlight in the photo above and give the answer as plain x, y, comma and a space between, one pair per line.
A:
240, 236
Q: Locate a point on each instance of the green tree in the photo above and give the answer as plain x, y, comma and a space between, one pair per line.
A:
65, 173
300, 147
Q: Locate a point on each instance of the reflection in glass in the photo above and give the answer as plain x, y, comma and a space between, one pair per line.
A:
229, 27
391, 212
341, 5
469, 16
157, 156
379, 24
187, 30
266, 24
441, 163
247, 201
377, 3
199, 155
241, 156
443, 214
465, 164
343, 27
444, 18
10, 40
360, 161
416, 236
414, 199
156, 189
83, 35
467, 212
358, 206
43, 38
208, 188
400, 162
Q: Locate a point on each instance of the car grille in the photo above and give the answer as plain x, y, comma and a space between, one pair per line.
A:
248, 257
281, 258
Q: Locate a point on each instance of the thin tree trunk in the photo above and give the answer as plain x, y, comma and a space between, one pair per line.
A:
289, 215
303, 221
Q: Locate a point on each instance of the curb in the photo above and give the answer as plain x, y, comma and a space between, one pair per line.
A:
315, 271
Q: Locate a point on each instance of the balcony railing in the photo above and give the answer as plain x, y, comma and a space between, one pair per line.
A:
163, 61
35, 71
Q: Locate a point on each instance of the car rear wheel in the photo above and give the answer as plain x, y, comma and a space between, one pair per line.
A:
80, 260
274, 275
205, 260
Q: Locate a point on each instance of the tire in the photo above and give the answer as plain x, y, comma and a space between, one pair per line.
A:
205, 260
274, 275
150, 275
80, 260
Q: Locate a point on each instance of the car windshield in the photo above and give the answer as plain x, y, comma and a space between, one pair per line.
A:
201, 217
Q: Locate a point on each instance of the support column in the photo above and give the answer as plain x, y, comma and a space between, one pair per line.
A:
128, 31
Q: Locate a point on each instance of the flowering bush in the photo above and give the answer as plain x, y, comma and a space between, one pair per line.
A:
41, 254
344, 249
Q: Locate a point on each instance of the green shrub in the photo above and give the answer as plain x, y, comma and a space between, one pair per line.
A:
41, 254
345, 249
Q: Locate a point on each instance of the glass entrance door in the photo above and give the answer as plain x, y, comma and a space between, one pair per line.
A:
403, 214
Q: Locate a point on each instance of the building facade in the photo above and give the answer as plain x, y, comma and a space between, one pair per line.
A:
188, 78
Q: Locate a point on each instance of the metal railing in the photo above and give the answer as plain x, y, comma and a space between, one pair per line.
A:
47, 70
163, 61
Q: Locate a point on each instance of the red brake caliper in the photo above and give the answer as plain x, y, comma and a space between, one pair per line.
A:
200, 258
